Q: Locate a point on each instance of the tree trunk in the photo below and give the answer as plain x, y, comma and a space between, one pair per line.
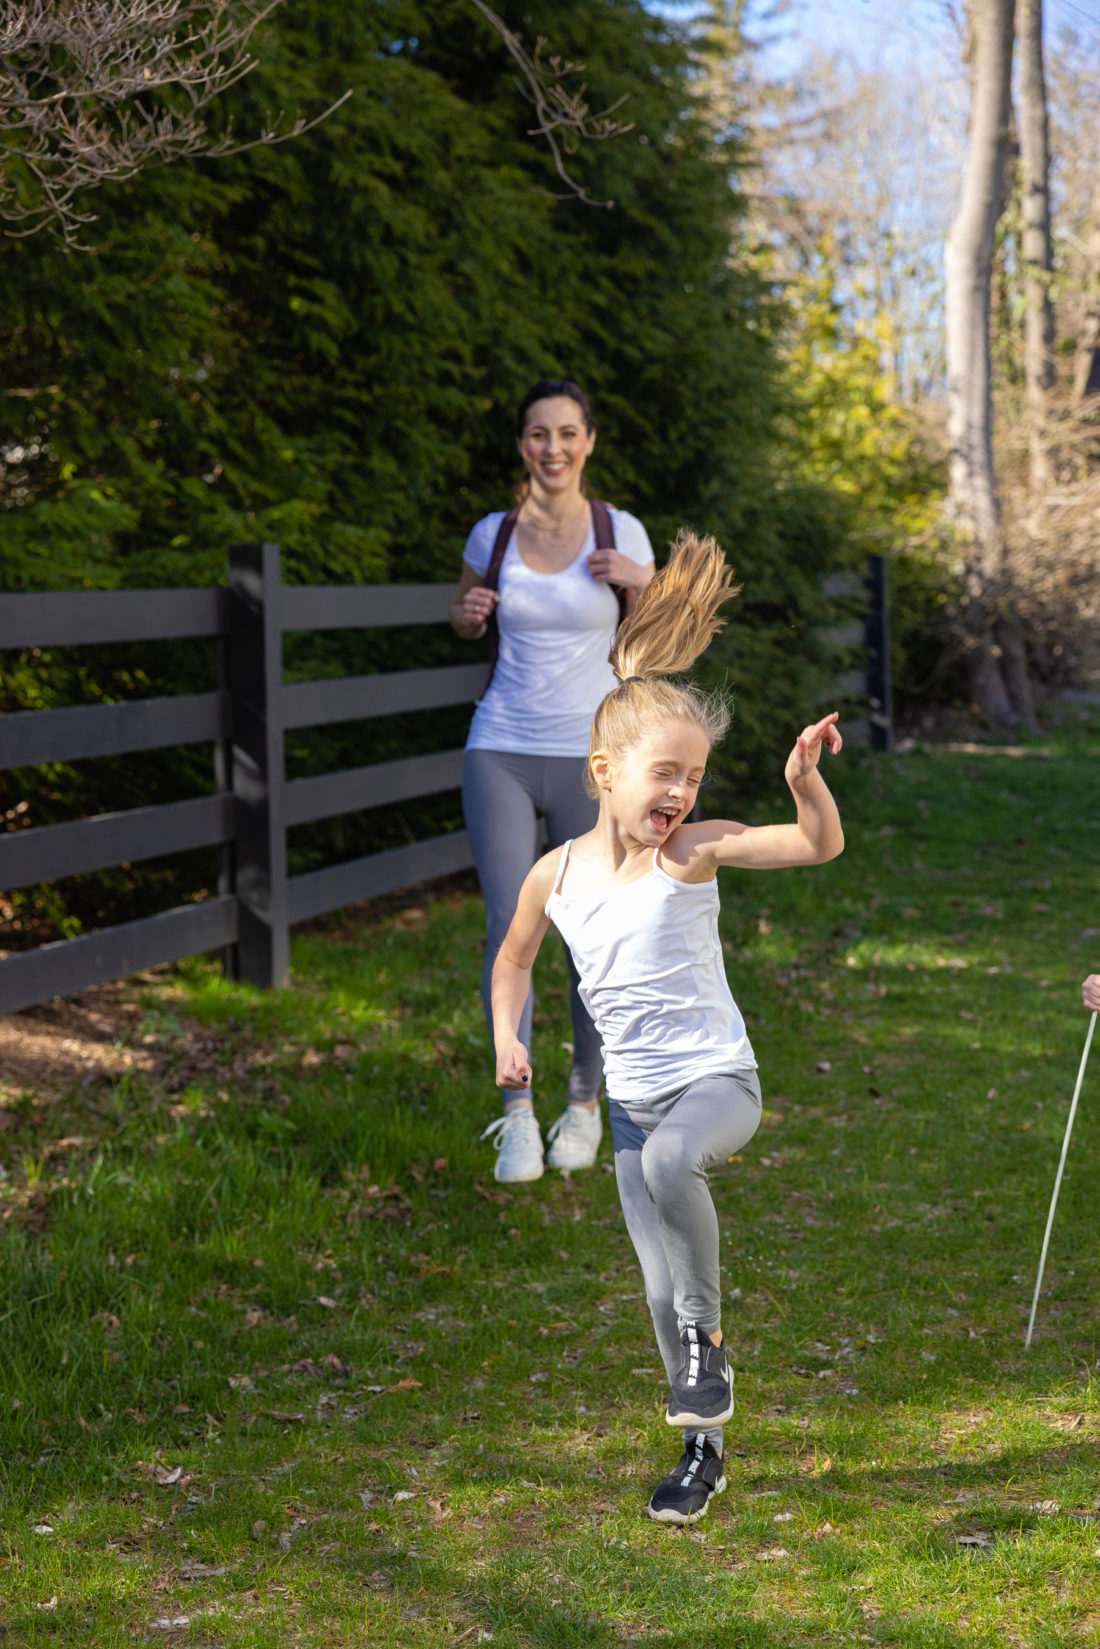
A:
969, 265
1036, 247
1086, 371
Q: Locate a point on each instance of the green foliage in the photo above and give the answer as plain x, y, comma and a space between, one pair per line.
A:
851, 433
322, 343
874, 461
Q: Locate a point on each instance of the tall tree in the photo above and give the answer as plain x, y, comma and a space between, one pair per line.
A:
1034, 129
998, 672
1086, 366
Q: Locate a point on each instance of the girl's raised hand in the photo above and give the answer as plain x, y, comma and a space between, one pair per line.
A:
513, 1070
804, 757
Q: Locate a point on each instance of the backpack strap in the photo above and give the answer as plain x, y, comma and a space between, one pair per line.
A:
507, 527
605, 540
491, 581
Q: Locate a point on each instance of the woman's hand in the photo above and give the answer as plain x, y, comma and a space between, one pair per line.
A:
513, 1071
470, 615
610, 567
1090, 992
804, 757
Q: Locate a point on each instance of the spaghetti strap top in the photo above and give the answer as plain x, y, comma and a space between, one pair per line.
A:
653, 979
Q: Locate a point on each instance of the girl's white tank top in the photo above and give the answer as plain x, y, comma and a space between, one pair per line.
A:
650, 963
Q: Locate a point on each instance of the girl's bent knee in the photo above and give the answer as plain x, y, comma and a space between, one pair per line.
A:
668, 1165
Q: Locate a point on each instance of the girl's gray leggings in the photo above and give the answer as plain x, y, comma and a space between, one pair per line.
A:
663, 1149
504, 795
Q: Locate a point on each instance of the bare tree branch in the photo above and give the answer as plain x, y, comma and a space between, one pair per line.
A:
94, 91
81, 84
559, 109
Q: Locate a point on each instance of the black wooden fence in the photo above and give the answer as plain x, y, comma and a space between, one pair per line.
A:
244, 716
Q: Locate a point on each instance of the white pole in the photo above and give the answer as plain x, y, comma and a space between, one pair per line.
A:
1058, 1180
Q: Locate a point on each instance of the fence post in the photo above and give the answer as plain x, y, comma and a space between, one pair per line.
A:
223, 780
256, 684
879, 688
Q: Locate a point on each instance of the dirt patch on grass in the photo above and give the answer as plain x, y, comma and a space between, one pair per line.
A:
47, 1051
96, 1035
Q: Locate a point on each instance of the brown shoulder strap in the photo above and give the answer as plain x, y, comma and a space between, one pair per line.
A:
603, 525
491, 581
504, 533
604, 528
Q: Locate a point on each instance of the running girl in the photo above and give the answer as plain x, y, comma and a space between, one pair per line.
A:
636, 901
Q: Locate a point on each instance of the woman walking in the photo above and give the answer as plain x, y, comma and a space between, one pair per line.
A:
550, 581
636, 901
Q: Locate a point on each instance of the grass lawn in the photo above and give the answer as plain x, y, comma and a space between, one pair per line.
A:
281, 1365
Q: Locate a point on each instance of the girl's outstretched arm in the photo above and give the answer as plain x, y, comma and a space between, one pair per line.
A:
512, 973
813, 839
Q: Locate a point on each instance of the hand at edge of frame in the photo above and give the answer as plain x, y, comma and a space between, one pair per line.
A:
1090, 992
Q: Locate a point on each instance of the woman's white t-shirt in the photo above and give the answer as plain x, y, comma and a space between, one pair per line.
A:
555, 632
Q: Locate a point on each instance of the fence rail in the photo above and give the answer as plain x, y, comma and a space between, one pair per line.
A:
72, 618
245, 717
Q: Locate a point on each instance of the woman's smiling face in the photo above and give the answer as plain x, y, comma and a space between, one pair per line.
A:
651, 788
555, 443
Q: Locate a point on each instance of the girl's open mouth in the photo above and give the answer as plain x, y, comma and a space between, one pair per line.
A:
662, 820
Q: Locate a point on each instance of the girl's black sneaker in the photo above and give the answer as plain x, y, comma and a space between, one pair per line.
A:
702, 1392
686, 1493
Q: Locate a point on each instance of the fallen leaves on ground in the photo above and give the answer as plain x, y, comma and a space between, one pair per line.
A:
289, 1536
491, 1194
378, 1202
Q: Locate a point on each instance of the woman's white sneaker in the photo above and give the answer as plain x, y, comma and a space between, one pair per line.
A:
519, 1147
575, 1138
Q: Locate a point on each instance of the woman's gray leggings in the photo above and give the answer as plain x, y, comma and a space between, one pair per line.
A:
663, 1149
504, 795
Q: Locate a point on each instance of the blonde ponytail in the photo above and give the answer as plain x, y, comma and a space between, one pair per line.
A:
676, 616
675, 620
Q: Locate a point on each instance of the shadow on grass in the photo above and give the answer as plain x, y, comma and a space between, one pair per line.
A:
721, 1617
